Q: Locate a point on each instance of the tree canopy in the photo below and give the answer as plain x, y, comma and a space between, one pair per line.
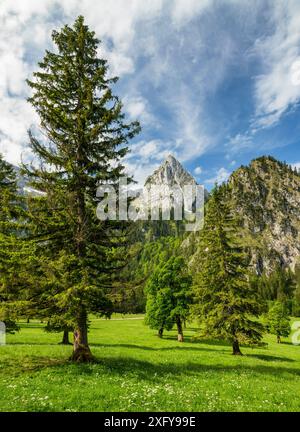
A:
169, 296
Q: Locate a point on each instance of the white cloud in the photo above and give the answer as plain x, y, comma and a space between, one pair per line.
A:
184, 10
140, 170
23, 10
147, 151
221, 176
239, 142
277, 89
198, 170
192, 139
15, 119
138, 108
129, 31
25, 33
154, 45
119, 63
24, 30
146, 156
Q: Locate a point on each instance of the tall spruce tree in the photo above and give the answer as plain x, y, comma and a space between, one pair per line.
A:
83, 140
225, 300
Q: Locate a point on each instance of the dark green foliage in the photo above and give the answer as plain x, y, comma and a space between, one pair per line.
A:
11, 251
168, 295
84, 140
278, 321
225, 300
57, 324
11, 325
296, 297
145, 256
279, 285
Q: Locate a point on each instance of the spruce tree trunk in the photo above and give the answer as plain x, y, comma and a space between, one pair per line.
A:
160, 332
179, 329
236, 347
81, 350
65, 339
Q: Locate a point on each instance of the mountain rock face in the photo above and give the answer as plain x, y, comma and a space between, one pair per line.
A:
170, 173
266, 194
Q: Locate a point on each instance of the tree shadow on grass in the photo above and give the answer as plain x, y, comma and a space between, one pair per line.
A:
266, 357
28, 363
200, 340
180, 347
144, 370
133, 346
188, 345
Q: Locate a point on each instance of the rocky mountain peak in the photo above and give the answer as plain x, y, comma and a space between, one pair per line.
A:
170, 173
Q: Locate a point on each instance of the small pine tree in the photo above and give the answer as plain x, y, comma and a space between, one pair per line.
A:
225, 301
168, 296
278, 321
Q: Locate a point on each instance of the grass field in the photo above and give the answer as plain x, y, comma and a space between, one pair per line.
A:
136, 371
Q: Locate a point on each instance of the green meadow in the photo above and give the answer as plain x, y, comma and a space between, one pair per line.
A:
137, 371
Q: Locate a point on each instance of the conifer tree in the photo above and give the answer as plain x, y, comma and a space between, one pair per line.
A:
225, 301
278, 321
11, 213
169, 297
83, 139
40, 293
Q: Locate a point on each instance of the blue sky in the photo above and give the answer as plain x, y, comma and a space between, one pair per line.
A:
214, 82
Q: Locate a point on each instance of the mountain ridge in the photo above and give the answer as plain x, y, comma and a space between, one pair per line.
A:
265, 193
170, 172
